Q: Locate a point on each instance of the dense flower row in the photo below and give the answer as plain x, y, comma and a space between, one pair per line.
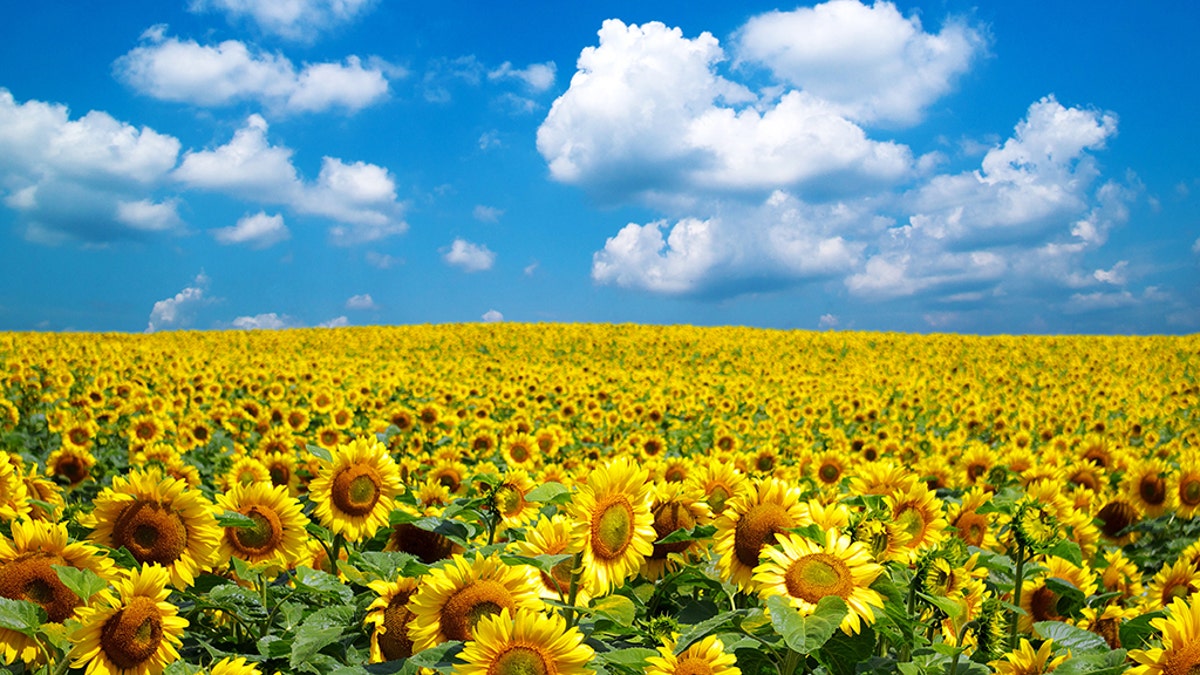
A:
536, 499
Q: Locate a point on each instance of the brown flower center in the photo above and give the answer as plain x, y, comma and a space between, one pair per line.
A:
668, 517
132, 636
520, 660
261, 540
394, 642
612, 527
429, 547
1116, 516
817, 575
1043, 605
1189, 491
1153, 490
829, 473
151, 532
693, 665
466, 607
972, 527
30, 577
356, 489
757, 529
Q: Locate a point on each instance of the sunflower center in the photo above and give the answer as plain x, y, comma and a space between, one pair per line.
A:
394, 642
132, 636
817, 575
757, 529
1116, 516
1182, 660
280, 474
466, 607
693, 665
520, 660
612, 527
31, 577
509, 501
911, 521
1153, 490
263, 538
151, 532
972, 527
72, 468
519, 453
1189, 492
717, 497
668, 517
1043, 606
356, 489
829, 473
429, 547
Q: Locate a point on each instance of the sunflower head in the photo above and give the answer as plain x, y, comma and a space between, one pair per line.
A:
355, 490
135, 629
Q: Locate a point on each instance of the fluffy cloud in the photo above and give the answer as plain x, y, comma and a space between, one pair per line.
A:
870, 62
300, 20
364, 301
149, 216
361, 197
215, 75
177, 311
268, 321
537, 77
470, 257
258, 231
492, 316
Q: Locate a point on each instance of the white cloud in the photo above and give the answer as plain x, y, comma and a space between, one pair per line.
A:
828, 322
489, 140
216, 75
487, 214
382, 261
268, 321
470, 257
1196, 246
149, 216
300, 20
492, 316
246, 166
259, 231
530, 268
363, 301
538, 77
1117, 275
871, 62
336, 322
177, 311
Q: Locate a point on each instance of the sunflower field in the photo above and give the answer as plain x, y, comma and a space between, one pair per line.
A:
538, 499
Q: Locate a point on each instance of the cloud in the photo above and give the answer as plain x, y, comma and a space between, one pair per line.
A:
171, 69
489, 140
487, 214
828, 322
492, 316
149, 216
177, 311
1117, 275
259, 231
470, 257
269, 321
537, 77
364, 301
1196, 246
647, 117
530, 268
360, 197
870, 62
336, 322
301, 20
382, 261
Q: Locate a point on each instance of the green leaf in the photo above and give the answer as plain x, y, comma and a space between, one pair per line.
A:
1070, 637
273, 647
82, 582
385, 565
544, 563
1136, 632
949, 607
616, 608
234, 519
321, 629
455, 531
182, 668
234, 599
322, 582
632, 657
842, 653
806, 634
319, 452
548, 492
21, 616
1070, 598
1094, 663
440, 658
1067, 550
812, 532
685, 534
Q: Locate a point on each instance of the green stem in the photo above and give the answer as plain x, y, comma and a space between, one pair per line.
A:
576, 571
1020, 576
906, 650
954, 662
790, 662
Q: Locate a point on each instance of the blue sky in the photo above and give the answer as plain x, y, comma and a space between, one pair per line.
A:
1019, 167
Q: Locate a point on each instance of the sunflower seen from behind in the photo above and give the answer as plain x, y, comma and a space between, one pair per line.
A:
524, 642
278, 536
614, 524
355, 489
133, 631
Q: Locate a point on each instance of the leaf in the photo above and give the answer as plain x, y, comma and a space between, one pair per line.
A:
441, 658
1094, 663
552, 492
234, 519
322, 582
454, 530
1070, 637
273, 647
842, 653
1067, 550
21, 616
1136, 632
321, 629
950, 608
616, 608
632, 657
1070, 598
685, 534
319, 452
182, 668
544, 563
704, 628
812, 532
385, 564
806, 634
82, 582
237, 600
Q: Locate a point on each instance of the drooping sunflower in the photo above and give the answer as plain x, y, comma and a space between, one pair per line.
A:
160, 520
674, 507
278, 535
1115, 517
613, 522
804, 571
388, 616
70, 464
355, 491
750, 522
708, 656
1180, 650
1025, 660
524, 642
134, 631
452, 599
27, 573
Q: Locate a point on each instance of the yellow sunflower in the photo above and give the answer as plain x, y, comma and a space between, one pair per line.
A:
1027, 661
132, 632
1180, 650
708, 656
355, 491
750, 522
278, 535
246, 470
613, 522
452, 599
804, 571
388, 616
918, 512
44, 490
719, 481
1149, 485
160, 520
674, 508
72, 465
509, 498
232, 666
27, 573
1177, 580
14, 495
1040, 602
524, 642
552, 536
1187, 488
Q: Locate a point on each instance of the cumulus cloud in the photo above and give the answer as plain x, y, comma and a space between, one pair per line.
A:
336, 322
148, 215
363, 301
268, 321
487, 214
361, 197
178, 310
1117, 275
258, 231
492, 316
301, 20
217, 75
537, 77
470, 257
872, 63
828, 322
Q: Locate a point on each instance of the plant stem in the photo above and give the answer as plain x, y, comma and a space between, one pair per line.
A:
1017, 583
954, 662
573, 594
790, 662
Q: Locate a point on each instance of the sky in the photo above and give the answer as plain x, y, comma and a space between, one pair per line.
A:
1009, 168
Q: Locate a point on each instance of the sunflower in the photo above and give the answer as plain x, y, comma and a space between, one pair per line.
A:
804, 571
613, 521
674, 508
508, 498
160, 520
388, 616
1027, 661
233, 666
281, 465
918, 511
452, 599
278, 535
1177, 580
1040, 602
27, 573
1180, 650
70, 464
1120, 575
751, 521
708, 656
134, 631
719, 481
829, 467
524, 642
1106, 622
14, 495
1115, 517
355, 490
1187, 488
246, 470
974, 528
1148, 484
43, 490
